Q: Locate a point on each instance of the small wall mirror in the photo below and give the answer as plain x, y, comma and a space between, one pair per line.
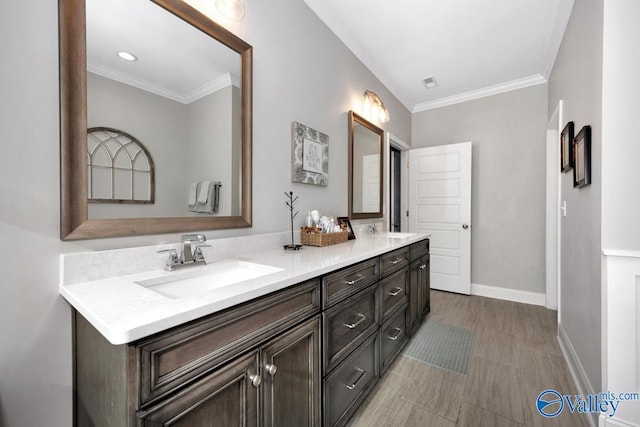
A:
186, 95
365, 168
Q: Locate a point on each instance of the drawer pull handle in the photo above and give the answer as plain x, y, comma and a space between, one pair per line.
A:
354, 384
396, 335
354, 281
395, 261
357, 322
395, 292
256, 380
271, 369
423, 266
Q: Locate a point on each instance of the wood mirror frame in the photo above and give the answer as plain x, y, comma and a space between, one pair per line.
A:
353, 119
74, 218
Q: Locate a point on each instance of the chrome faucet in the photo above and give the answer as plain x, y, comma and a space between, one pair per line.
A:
191, 253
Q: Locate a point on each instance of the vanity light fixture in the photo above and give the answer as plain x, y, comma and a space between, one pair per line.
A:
373, 108
232, 9
127, 56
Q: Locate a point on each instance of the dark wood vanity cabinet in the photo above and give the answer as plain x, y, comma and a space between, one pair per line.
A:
307, 355
365, 329
254, 364
419, 285
283, 375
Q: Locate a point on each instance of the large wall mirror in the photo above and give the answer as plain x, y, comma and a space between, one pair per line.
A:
365, 168
186, 96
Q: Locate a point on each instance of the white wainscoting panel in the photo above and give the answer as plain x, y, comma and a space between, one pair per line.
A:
621, 333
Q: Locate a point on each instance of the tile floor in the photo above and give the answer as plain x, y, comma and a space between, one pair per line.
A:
515, 357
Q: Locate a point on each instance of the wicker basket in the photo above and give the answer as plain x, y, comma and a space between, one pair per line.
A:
314, 237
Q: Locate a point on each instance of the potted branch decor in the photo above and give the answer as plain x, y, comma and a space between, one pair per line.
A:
290, 200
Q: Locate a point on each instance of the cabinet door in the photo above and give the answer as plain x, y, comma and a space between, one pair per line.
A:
291, 374
415, 309
424, 286
226, 397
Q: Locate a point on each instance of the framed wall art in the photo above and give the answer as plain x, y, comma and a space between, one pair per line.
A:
344, 221
582, 157
566, 149
310, 156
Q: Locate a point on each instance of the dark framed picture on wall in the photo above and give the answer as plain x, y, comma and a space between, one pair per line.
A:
582, 157
566, 151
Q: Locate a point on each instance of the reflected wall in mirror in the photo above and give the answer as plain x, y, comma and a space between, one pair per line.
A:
188, 96
365, 168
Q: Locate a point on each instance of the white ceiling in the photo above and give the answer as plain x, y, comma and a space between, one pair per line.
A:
176, 60
473, 48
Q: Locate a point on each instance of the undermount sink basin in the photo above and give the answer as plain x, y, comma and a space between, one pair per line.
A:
203, 279
395, 235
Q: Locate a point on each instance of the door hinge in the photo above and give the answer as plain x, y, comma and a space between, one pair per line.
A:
407, 213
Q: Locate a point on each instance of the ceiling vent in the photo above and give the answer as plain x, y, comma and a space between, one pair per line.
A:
430, 82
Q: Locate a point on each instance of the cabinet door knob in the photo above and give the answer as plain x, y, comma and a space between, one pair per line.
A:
423, 266
271, 369
256, 380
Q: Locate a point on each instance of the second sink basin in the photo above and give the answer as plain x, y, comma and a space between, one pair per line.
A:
203, 279
397, 235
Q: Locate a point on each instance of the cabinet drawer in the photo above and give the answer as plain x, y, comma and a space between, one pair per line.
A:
394, 261
349, 384
393, 336
347, 324
174, 357
394, 292
339, 285
227, 395
418, 249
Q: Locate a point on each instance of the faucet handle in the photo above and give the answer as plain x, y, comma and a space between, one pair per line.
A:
171, 252
197, 253
173, 257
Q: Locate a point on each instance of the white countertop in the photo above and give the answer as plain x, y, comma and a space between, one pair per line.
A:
123, 311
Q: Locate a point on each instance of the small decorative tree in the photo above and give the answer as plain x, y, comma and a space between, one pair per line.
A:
290, 200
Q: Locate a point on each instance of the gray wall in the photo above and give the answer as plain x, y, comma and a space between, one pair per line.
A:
577, 80
508, 181
116, 105
302, 73
164, 127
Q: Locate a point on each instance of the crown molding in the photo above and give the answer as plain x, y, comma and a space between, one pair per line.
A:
481, 93
142, 84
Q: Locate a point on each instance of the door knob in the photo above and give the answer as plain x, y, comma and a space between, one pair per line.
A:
465, 226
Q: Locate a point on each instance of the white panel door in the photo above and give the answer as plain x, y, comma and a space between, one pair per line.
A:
371, 183
440, 204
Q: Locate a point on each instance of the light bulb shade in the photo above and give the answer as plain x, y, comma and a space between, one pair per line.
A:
373, 108
233, 9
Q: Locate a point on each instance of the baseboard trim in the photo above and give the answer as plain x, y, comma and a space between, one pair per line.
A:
578, 374
526, 297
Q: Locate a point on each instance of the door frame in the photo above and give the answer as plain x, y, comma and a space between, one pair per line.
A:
553, 212
391, 140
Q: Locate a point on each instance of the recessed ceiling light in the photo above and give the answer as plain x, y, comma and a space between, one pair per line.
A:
127, 56
430, 82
